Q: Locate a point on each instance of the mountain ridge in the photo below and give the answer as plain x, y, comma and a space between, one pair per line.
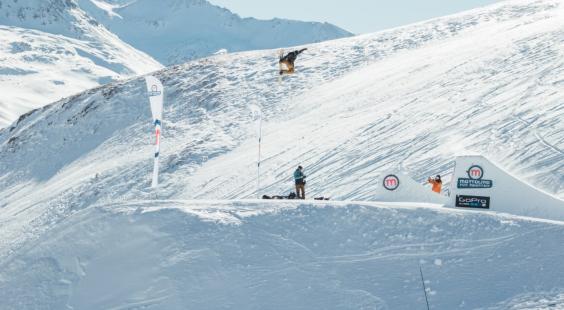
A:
143, 24
89, 54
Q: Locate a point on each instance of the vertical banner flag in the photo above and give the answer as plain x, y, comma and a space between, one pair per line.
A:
256, 114
156, 93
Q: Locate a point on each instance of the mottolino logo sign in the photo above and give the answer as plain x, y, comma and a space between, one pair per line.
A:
477, 202
391, 182
475, 179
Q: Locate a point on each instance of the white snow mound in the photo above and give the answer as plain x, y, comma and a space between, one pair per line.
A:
257, 255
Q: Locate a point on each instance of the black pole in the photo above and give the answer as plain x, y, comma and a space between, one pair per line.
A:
424, 288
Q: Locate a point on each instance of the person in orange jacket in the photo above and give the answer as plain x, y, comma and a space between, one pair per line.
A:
437, 183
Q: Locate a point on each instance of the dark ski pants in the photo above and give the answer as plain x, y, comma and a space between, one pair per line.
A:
300, 191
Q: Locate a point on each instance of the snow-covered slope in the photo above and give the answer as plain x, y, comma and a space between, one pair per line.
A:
174, 31
487, 81
62, 17
39, 68
52, 49
251, 255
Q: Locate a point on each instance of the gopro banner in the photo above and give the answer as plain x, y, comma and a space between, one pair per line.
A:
156, 94
478, 202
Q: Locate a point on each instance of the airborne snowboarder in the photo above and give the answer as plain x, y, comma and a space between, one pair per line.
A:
287, 62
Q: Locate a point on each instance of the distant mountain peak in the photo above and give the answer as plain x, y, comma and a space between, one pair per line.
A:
188, 29
93, 42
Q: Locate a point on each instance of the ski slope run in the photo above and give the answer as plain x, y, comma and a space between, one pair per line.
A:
487, 81
411, 97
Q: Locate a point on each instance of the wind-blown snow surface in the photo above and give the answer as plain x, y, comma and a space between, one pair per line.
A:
487, 81
174, 31
255, 255
53, 49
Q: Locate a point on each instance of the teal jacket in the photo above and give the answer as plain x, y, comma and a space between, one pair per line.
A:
299, 176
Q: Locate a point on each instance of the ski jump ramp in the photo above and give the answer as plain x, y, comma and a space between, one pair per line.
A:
400, 187
478, 183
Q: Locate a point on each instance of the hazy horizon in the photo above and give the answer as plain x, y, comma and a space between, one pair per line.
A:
356, 16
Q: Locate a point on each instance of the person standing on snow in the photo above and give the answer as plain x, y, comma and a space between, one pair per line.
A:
437, 183
288, 61
299, 178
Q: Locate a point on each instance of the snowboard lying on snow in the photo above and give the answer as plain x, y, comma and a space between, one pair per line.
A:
291, 196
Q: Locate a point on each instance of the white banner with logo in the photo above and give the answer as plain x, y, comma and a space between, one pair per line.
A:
399, 186
478, 183
156, 94
472, 186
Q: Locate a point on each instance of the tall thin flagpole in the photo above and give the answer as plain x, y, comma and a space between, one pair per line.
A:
155, 182
259, 155
256, 112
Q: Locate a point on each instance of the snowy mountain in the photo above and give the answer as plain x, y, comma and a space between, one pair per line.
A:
39, 68
174, 31
78, 218
70, 48
52, 49
62, 17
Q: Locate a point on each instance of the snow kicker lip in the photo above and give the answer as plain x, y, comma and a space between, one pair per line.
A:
503, 193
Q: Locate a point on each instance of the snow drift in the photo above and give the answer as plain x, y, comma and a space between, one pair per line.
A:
256, 255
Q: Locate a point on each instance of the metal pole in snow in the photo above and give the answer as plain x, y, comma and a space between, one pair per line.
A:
424, 288
155, 181
256, 112
259, 155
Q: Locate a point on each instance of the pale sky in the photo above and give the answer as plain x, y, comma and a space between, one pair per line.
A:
357, 16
